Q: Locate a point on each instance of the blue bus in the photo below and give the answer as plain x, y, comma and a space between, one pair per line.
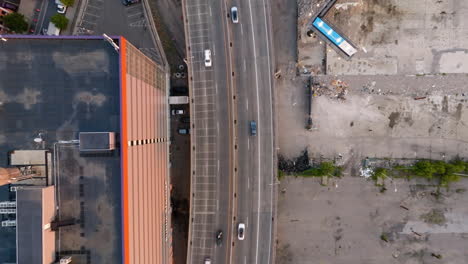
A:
334, 37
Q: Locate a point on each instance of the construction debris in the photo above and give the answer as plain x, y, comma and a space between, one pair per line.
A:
337, 89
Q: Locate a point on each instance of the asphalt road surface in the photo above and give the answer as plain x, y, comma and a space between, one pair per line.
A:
232, 171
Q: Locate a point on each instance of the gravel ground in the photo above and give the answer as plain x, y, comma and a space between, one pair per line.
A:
344, 225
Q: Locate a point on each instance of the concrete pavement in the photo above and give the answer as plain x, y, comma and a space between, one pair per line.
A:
252, 53
210, 134
239, 87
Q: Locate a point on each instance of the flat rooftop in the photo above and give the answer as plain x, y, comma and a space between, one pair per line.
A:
57, 88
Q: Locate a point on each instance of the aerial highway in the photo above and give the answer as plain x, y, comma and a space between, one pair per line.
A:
233, 171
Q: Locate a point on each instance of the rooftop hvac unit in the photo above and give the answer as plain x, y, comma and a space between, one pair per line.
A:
97, 141
8, 223
7, 211
66, 260
7, 204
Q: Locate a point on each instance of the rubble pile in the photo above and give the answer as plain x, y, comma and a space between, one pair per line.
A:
337, 89
295, 165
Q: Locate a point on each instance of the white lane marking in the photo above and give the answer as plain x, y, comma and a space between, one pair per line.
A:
245, 259
242, 29
258, 133
248, 182
210, 11
214, 49
245, 66
247, 101
271, 122
248, 143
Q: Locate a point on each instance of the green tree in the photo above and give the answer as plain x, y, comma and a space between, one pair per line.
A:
15, 22
424, 169
68, 2
59, 21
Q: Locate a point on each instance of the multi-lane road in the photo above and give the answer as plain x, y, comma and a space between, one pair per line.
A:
233, 172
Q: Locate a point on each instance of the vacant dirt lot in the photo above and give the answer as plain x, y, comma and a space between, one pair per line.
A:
402, 37
407, 97
382, 116
344, 225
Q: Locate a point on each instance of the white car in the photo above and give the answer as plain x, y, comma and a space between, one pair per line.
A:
241, 231
178, 112
207, 58
61, 8
234, 15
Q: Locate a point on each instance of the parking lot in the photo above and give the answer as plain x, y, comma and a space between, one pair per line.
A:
113, 18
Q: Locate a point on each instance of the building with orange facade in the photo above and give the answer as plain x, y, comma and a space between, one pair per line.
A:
102, 110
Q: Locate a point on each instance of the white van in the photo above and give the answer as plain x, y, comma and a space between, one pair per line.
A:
52, 30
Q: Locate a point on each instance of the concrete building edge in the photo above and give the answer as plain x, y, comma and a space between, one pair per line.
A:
192, 135
123, 150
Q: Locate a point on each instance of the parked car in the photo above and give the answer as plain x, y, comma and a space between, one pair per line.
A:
207, 58
129, 2
241, 231
10, 6
179, 90
61, 8
253, 128
184, 131
177, 112
185, 119
234, 15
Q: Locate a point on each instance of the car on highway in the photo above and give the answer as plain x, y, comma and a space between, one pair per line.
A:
219, 237
234, 15
241, 231
207, 58
129, 2
207, 261
177, 112
253, 128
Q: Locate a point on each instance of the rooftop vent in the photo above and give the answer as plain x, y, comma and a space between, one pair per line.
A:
94, 142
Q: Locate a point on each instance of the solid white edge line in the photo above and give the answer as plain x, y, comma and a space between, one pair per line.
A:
272, 127
258, 134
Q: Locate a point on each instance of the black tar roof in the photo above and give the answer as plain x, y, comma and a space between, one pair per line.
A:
57, 88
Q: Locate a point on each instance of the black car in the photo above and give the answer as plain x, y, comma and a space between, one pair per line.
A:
185, 119
253, 128
129, 2
179, 90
